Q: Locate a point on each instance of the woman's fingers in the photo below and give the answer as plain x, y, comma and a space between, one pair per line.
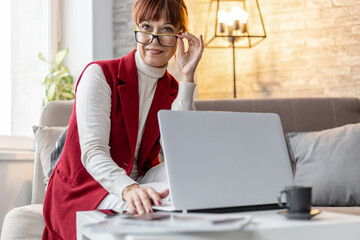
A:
191, 39
140, 200
132, 207
164, 193
188, 60
181, 47
155, 197
145, 199
201, 44
139, 205
196, 45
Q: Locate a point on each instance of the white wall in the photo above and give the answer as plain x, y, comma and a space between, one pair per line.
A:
16, 170
15, 183
87, 32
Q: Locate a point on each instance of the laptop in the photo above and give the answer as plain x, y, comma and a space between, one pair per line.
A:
223, 160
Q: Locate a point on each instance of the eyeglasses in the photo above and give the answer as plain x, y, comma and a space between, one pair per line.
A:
146, 38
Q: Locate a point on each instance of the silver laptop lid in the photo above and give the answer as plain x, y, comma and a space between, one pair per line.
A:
224, 159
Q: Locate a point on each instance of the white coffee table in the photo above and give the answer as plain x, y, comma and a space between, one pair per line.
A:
266, 225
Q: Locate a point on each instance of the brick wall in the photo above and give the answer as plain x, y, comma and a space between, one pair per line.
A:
312, 49
124, 40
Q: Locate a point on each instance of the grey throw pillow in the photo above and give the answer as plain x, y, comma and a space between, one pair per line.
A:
46, 138
329, 160
57, 150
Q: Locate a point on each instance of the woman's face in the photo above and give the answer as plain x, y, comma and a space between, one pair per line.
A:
154, 54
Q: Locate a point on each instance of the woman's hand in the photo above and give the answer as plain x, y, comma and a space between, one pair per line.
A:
188, 61
140, 199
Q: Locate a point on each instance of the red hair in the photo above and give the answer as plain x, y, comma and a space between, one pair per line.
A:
174, 11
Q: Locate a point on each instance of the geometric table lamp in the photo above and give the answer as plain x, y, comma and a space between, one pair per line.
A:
235, 24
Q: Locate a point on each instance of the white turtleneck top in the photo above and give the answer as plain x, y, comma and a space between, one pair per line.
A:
93, 108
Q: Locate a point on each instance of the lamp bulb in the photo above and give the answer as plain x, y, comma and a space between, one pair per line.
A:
237, 13
222, 17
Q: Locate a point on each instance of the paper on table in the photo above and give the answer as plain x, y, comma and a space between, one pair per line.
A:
172, 222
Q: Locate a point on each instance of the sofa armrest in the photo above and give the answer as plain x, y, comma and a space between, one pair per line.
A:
25, 222
38, 189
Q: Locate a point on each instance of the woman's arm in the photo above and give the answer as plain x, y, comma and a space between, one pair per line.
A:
187, 63
93, 108
184, 100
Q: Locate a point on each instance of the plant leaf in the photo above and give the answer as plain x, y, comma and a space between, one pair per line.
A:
69, 86
60, 55
67, 95
58, 82
65, 69
69, 80
51, 92
56, 73
41, 56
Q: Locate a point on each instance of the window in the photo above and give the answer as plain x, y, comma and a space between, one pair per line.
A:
21, 71
33, 26
5, 67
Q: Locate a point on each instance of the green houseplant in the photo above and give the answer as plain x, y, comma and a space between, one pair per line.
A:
58, 82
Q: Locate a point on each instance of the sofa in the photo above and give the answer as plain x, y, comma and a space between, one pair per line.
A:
310, 120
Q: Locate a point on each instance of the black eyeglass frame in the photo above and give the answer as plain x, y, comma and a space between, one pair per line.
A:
156, 36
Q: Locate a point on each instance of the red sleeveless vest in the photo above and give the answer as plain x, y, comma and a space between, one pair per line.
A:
71, 188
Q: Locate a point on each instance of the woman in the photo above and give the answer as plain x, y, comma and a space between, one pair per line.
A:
112, 143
